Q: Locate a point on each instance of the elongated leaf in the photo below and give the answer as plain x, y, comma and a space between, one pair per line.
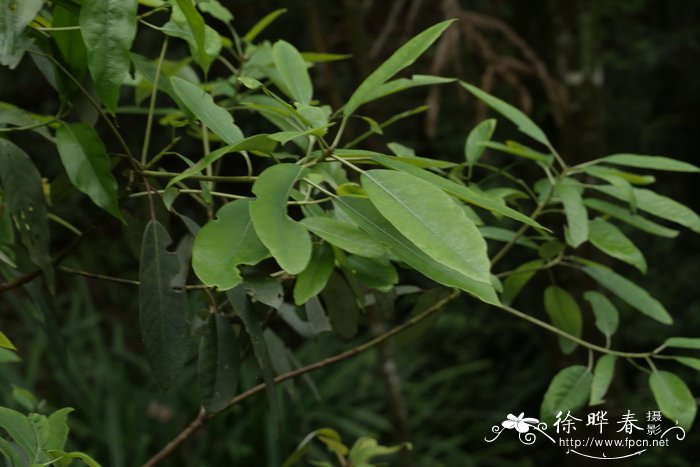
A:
24, 195
673, 397
216, 118
505, 235
610, 240
683, 342
430, 219
5, 342
21, 431
460, 191
366, 216
81, 456
519, 150
313, 279
345, 236
293, 70
262, 24
602, 376
606, 173
108, 28
375, 273
218, 364
413, 161
162, 306
693, 363
341, 306
69, 42
403, 57
522, 121
630, 292
623, 214
607, 317
426, 300
650, 162
288, 240
565, 314
87, 164
401, 84
205, 42
474, 147
366, 449
58, 428
576, 214
568, 391
515, 282
15, 16
224, 243
11, 453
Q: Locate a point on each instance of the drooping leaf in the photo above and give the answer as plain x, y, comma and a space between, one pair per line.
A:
692, 362
673, 397
341, 306
576, 214
200, 103
629, 292
313, 279
683, 342
224, 243
610, 240
515, 282
606, 173
69, 42
607, 317
401, 84
375, 273
473, 147
262, 24
5, 342
218, 364
288, 240
15, 16
108, 28
24, 195
11, 453
565, 314
403, 57
293, 70
188, 24
619, 212
162, 306
87, 164
650, 162
602, 376
568, 391
345, 236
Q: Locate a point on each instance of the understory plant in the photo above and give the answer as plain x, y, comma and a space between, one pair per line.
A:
260, 221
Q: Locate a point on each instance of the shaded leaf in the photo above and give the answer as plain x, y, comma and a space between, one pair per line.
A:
314, 277
610, 240
607, 317
565, 314
576, 214
374, 272
345, 236
218, 364
568, 391
15, 16
602, 376
626, 216
515, 282
293, 70
693, 363
673, 397
650, 162
265, 289
21, 431
341, 306
188, 24
262, 24
473, 147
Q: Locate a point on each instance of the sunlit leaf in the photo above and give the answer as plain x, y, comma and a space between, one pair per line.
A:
345, 236
292, 67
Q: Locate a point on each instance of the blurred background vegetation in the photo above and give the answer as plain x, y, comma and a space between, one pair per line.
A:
600, 76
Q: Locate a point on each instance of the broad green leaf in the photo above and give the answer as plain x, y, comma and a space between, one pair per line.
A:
286, 136
313, 279
216, 118
15, 16
87, 164
375, 273
576, 214
24, 196
629, 292
293, 69
565, 314
341, 306
345, 236
218, 364
430, 219
611, 241
58, 428
618, 182
455, 189
11, 453
474, 147
288, 240
264, 289
623, 214
262, 24
5, 342
366, 216
179, 26
673, 397
650, 162
602, 376
403, 57
401, 84
551, 249
69, 42
8, 356
198, 28
522, 121
693, 363
366, 449
515, 282
13, 115
162, 306
298, 455
683, 342
81, 456
607, 317
108, 28
401, 150
568, 391
224, 243
21, 431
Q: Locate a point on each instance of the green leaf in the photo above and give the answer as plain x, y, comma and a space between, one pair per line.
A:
683, 342
24, 195
375, 273
69, 42
5, 342
602, 376
412, 161
58, 428
515, 282
611, 241
513, 114
216, 118
673, 397
431, 220
11, 453
293, 70
162, 306
693, 363
199, 34
366, 216
21, 431
607, 173
341, 306
81, 456
216, 9
607, 317
517, 149
345, 236
473, 147
576, 214
265, 289
568, 391
623, 214
15, 16
403, 57
218, 364
224, 243
565, 314
504, 235
401, 84
288, 240
650, 162
366, 449
87, 164
426, 300
262, 24
629, 292
108, 28
455, 189
313, 279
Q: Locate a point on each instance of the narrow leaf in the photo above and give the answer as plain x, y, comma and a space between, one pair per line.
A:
515, 282
565, 314
602, 376
341, 306
611, 241
401, 84
374, 272
650, 162
218, 364
607, 317
293, 70
683, 342
313, 279
576, 214
345, 236
673, 397
5, 342
623, 214
693, 363
568, 391
262, 24
474, 147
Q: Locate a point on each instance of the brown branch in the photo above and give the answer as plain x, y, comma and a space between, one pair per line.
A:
203, 417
